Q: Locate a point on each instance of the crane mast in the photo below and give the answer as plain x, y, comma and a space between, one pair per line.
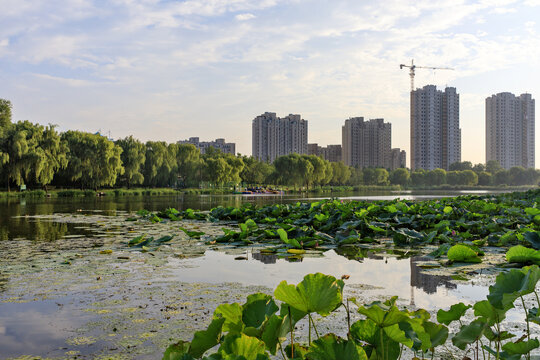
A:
413, 67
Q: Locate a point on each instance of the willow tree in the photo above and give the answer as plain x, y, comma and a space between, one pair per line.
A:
188, 162
160, 165
50, 155
94, 160
133, 158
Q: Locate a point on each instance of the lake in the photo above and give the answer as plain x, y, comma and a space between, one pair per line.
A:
70, 287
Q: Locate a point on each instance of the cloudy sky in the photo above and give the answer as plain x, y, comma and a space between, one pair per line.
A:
171, 69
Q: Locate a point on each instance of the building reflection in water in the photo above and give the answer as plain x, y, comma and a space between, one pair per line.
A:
269, 258
427, 282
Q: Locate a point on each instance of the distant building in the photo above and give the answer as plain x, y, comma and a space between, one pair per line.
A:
366, 143
273, 136
330, 153
398, 159
435, 132
218, 144
510, 130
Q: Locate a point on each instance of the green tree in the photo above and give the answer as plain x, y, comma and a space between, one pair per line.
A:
93, 160
341, 173
160, 164
133, 158
469, 177
400, 176
485, 178
293, 169
255, 171
460, 166
369, 176
357, 176
217, 170
318, 174
50, 154
478, 168
418, 177
518, 175
502, 177
5, 114
493, 166
381, 177
188, 162
436, 177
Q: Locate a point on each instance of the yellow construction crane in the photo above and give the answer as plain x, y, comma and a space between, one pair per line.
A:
412, 67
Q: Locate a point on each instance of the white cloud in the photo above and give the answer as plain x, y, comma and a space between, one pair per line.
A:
244, 17
532, 2
4, 42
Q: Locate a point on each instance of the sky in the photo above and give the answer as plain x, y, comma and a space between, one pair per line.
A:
169, 70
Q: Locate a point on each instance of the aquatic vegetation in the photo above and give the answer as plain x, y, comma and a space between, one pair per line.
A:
459, 226
523, 255
261, 326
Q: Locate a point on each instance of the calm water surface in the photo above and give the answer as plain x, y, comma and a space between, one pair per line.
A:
40, 326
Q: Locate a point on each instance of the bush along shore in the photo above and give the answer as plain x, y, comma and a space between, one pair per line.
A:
461, 230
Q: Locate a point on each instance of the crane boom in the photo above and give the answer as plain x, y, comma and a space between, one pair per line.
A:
412, 67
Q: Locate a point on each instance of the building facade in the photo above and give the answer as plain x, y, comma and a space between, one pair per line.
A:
510, 130
273, 136
218, 144
435, 131
398, 159
330, 153
366, 143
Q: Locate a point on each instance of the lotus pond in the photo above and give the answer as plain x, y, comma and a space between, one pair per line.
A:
106, 279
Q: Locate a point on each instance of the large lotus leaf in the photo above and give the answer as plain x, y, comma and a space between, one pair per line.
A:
533, 237
414, 330
316, 293
243, 345
497, 336
437, 333
285, 238
232, 313
502, 355
177, 351
513, 284
206, 339
523, 255
257, 309
395, 333
331, 347
462, 253
275, 330
455, 312
487, 312
383, 317
468, 334
521, 347
365, 330
295, 314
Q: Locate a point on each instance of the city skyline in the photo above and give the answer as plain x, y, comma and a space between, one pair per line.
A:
164, 70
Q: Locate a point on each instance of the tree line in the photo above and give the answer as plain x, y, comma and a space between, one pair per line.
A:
40, 156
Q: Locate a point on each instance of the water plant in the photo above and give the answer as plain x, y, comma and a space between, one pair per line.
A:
262, 326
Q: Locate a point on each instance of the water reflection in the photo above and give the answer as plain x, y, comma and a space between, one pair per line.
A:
427, 282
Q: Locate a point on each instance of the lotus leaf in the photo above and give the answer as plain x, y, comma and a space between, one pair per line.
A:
468, 334
232, 313
177, 351
206, 339
331, 347
513, 284
315, 293
521, 347
521, 254
488, 313
258, 308
455, 312
463, 253
249, 347
533, 237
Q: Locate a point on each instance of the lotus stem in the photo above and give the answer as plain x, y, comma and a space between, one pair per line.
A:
348, 316
292, 336
528, 328
281, 350
537, 298
314, 328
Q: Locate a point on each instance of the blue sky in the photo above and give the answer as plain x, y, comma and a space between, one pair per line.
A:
169, 70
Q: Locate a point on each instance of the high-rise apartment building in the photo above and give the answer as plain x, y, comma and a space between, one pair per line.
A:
510, 130
366, 143
203, 146
273, 136
435, 132
398, 159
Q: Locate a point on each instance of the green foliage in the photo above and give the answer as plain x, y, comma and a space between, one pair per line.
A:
252, 330
93, 160
523, 255
316, 293
462, 253
133, 159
